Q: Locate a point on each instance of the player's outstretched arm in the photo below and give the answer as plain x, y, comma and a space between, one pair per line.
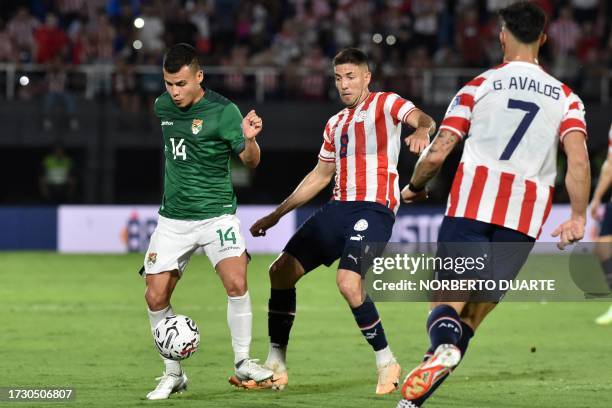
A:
309, 187
578, 184
424, 127
251, 127
604, 183
428, 165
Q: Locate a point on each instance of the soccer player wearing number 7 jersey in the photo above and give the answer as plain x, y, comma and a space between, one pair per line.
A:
200, 130
511, 119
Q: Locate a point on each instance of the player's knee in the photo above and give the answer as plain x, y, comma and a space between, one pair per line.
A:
157, 299
236, 287
281, 276
350, 290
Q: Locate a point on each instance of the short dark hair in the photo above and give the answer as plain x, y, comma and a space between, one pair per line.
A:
525, 20
351, 56
180, 55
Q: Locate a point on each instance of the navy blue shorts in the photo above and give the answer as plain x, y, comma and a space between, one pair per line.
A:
606, 223
337, 230
502, 251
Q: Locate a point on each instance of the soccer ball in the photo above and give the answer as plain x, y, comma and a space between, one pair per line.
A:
176, 337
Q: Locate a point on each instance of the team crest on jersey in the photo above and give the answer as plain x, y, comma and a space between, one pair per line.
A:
361, 225
151, 258
454, 103
361, 116
196, 126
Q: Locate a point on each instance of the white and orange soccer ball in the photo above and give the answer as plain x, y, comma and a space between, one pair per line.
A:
176, 337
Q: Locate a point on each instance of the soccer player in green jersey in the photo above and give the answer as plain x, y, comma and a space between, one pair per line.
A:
201, 129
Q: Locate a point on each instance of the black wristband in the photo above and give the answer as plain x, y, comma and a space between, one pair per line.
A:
414, 189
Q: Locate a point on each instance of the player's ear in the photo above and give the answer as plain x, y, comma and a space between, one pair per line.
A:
200, 76
368, 77
543, 38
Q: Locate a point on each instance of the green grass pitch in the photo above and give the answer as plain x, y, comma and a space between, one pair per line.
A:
81, 321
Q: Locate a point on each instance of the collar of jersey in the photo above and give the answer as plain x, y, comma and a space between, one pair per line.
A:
526, 64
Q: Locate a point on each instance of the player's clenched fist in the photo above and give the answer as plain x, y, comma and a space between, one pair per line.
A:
418, 141
263, 224
251, 125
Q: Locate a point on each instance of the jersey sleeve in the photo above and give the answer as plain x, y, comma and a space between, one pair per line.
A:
230, 128
573, 117
398, 108
328, 148
458, 116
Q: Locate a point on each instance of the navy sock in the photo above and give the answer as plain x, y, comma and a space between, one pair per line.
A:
370, 325
463, 343
281, 313
443, 326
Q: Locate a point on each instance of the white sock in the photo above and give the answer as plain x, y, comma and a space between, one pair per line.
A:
384, 357
240, 322
172, 367
277, 356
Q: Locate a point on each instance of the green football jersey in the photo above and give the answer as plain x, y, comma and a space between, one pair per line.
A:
198, 142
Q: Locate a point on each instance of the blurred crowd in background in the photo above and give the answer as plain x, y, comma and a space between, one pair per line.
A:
293, 36
79, 64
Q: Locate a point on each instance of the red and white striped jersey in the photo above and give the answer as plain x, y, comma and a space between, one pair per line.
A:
512, 118
364, 142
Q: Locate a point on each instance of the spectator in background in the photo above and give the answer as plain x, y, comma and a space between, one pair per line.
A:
55, 84
50, 40
588, 42
470, 39
585, 10
114, 8
235, 80
7, 51
69, 10
314, 82
78, 39
21, 30
102, 36
200, 16
152, 33
426, 22
564, 34
285, 44
125, 87
180, 30
57, 182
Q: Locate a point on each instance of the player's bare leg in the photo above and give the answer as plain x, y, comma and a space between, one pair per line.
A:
158, 293
366, 316
233, 274
443, 357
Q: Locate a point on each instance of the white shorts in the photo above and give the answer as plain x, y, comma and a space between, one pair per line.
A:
174, 241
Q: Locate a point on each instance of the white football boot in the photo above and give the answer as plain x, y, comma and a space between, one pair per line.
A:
168, 384
251, 375
250, 370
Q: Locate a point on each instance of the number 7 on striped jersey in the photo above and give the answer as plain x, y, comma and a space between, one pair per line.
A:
531, 110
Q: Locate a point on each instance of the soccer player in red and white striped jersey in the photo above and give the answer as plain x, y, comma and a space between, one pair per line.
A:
361, 146
511, 120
